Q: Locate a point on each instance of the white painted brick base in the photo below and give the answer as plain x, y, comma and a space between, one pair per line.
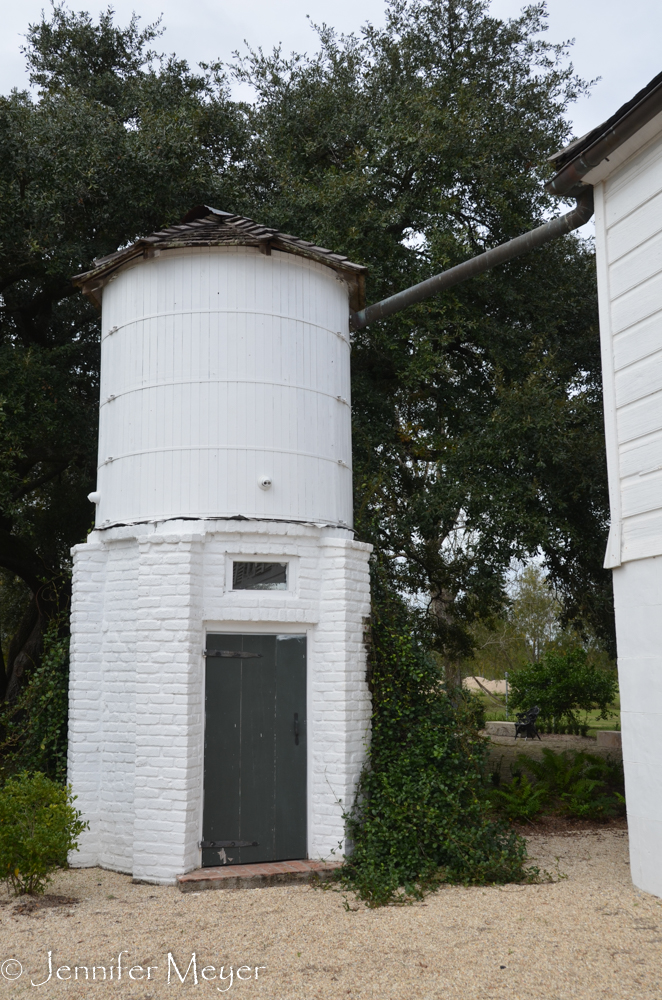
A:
144, 598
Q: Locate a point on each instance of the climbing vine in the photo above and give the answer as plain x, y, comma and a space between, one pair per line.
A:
422, 816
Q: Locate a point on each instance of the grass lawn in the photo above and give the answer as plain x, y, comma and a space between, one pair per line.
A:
495, 714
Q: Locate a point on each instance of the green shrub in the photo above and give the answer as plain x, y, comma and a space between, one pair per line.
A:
34, 729
591, 798
597, 791
556, 772
577, 783
422, 815
520, 800
38, 827
562, 684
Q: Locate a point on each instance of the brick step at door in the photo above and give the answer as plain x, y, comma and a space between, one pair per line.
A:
256, 876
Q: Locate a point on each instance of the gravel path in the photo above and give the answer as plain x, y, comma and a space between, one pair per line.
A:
589, 936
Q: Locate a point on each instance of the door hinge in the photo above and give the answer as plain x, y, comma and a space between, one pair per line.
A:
214, 845
232, 654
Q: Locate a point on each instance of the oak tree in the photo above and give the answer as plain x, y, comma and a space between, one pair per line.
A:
412, 147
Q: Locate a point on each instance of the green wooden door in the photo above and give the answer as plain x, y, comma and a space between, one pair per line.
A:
255, 749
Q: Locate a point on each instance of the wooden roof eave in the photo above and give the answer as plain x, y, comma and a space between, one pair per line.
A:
92, 282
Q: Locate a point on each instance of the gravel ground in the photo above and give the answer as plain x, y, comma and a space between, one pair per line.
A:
587, 935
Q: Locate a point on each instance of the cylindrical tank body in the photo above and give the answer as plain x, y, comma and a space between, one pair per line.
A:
223, 368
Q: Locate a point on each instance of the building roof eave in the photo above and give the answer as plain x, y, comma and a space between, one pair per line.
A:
584, 154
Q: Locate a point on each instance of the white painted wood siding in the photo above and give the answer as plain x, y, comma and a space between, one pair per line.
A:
629, 250
225, 365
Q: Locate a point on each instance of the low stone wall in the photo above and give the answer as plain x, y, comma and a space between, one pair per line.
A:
505, 750
500, 729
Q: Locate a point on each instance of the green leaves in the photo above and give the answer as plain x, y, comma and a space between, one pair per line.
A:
575, 783
520, 801
35, 727
562, 684
421, 816
477, 415
116, 144
39, 826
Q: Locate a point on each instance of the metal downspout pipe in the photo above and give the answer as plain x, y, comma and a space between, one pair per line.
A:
483, 262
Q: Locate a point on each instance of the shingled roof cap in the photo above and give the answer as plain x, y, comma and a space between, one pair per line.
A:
204, 226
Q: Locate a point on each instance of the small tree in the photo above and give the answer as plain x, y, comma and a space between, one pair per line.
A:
39, 825
535, 612
562, 684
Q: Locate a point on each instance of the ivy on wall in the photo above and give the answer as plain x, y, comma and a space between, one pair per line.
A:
422, 814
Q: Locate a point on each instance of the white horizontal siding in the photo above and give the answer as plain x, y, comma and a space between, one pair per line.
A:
642, 495
633, 268
636, 342
642, 301
641, 457
224, 366
635, 228
639, 419
640, 379
629, 242
633, 184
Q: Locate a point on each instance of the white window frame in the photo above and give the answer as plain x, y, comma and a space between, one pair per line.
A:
292, 572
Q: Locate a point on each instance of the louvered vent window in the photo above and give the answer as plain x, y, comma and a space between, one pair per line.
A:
259, 576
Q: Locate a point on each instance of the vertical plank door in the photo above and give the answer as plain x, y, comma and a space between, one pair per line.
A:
255, 749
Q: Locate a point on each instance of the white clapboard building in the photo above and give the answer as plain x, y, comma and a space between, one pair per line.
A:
218, 703
622, 160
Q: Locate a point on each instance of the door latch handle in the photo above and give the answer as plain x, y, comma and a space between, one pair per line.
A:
296, 729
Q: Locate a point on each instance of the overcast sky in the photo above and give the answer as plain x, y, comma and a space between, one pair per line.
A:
617, 41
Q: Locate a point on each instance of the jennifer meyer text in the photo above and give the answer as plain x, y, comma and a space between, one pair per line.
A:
173, 972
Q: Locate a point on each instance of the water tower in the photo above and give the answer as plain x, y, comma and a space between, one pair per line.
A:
218, 690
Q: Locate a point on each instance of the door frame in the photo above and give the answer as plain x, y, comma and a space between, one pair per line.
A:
261, 628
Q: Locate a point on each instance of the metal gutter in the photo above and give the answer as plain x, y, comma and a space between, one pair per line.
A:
483, 262
633, 119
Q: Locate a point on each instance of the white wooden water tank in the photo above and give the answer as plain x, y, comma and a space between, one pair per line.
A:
225, 376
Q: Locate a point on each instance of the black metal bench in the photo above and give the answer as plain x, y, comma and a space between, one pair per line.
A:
526, 724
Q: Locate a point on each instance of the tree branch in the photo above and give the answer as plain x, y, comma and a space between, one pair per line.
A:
18, 557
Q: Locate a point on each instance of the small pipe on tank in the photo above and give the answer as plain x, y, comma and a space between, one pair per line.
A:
477, 265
